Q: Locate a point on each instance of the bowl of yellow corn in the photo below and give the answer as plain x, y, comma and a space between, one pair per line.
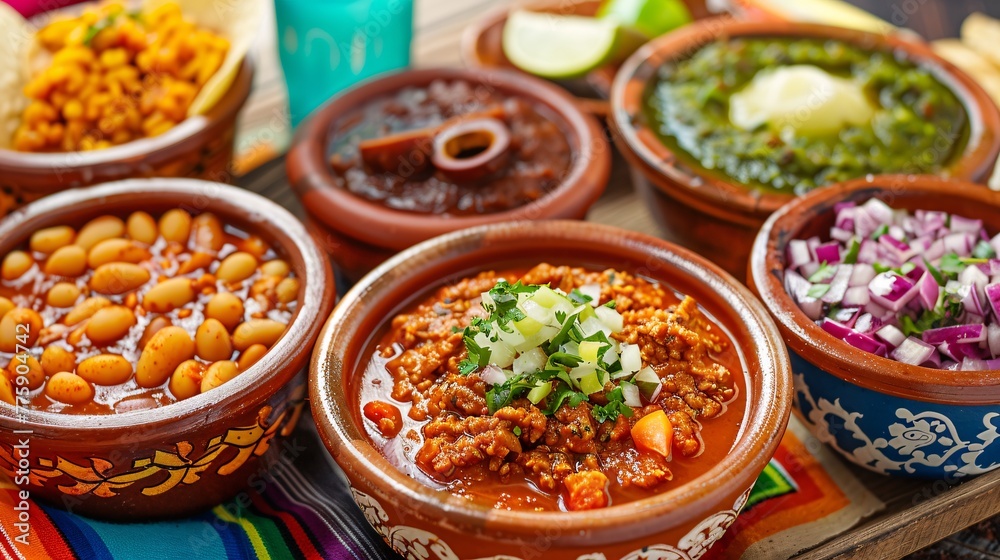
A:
118, 90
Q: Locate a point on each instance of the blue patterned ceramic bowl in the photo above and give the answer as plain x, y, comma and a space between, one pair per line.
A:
883, 415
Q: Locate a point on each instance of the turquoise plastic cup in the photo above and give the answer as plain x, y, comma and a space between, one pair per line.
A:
326, 46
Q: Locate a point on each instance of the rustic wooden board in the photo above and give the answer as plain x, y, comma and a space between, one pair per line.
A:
917, 514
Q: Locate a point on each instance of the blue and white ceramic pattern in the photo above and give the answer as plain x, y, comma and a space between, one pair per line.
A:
893, 435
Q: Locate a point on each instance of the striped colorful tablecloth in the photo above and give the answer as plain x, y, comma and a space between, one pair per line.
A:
305, 511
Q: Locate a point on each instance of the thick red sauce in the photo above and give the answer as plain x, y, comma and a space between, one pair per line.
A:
413, 369
537, 161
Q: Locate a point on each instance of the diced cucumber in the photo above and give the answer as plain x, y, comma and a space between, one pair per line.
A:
546, 297
590, 383
528, 326
540, 391
589, 350
514, 338
537, 312
544, 334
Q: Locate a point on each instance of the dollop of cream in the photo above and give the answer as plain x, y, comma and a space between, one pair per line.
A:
800, 99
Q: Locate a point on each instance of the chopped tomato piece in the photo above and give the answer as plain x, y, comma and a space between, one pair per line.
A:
386, 416
587, 490
653, 433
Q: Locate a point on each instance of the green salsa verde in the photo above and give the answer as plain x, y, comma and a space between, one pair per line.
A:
918, 125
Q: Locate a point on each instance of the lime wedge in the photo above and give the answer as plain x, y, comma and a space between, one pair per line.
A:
652, 18
563, 47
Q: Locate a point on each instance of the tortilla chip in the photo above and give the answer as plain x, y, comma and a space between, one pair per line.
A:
17, 35
237, 21
986, 73
982, 33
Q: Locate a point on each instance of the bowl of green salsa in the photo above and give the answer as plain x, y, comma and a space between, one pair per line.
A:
726, 121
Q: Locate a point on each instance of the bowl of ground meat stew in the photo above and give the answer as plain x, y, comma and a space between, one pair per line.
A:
421, 153
153, 342
556, 386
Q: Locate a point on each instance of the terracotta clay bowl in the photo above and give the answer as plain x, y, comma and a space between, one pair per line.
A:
199, 147
482, 46
360, 233
421, 522
886, 416
718, 217
189, 455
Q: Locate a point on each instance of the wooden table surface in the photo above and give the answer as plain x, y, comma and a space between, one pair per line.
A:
917, 514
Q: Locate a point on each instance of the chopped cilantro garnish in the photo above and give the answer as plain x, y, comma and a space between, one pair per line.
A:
852, 253
825, 272
504, 312
953, 265
983, 250
882, 230
938, 277
579, 297
616, 406
818, 290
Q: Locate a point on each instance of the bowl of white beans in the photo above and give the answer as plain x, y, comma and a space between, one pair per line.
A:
154, 335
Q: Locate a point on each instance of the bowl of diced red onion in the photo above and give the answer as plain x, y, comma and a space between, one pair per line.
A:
887, 293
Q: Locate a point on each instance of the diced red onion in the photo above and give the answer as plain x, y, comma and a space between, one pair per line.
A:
957, 243
866, 322
493, 375
847, 316
842, 235
868, 252
856, 296
866, 309
992, 292
891, 290
828, 252
913, 351
973, 276
929, 290
878, 210
841, 206
796, 285
995, 243
798, 253
958, 351
858, 340
935, 251
812, 243
993, 339
965, 225
970, 300
955, 333
862, 274
891, 335
838, 284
